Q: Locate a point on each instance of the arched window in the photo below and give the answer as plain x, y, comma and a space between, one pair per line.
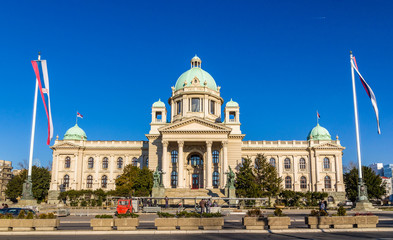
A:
273, 162
67, 162
90, 163
196, 160
326, 163
174, 156
104, 181
331, 199
120, 162
302, 163
66, 181
287, 163
288, 182
328, 182
174, 179
303, 182
105, 163
89, 183
216, 157
215, 179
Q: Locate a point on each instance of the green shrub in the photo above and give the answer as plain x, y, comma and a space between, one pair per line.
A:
165, 215
2, 216
278, 212
9, 216
185, 214
29, 215
74, 203
83, 203
254, 213
22, 214
42, 216
341, 211
128, 215
51, 215
99, 202
104, 216
211, 215
316, 213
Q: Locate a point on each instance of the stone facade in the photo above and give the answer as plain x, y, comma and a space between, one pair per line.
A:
196, 147
5, 177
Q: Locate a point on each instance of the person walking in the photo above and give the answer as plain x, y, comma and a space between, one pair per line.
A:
208, 205
202, 203
166, 202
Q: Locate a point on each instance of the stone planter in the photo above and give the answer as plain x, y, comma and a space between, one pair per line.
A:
101, 224
278, 222
126, 224
165, 223
370, 221
340, 222
22, 224
46, 224
5, 224
254, 223
189, 223
215, 209
212, 223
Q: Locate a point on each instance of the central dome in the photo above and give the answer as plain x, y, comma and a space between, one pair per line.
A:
75, 133
196, 72
319, 133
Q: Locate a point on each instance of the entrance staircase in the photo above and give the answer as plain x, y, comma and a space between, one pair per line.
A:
192, 193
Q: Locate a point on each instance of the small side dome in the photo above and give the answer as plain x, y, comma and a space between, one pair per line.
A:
319, 133
232, 104
159, 104
75, 133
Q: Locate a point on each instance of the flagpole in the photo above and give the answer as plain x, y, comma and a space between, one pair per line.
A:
362, 189
76, 118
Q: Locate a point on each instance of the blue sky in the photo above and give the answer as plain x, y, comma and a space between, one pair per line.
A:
280, 60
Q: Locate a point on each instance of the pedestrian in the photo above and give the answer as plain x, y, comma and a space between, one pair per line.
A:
2, 206
325, 202
215, 204
202, 203
322, 206
166, 202
208, 205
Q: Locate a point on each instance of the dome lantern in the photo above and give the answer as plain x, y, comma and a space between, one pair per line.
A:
196, 62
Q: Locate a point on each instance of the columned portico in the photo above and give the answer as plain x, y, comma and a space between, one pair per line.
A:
208, 176
181, 163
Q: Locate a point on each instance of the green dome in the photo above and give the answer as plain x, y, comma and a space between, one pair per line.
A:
159, 104
232, 104
319, 133
75, 133
196, 71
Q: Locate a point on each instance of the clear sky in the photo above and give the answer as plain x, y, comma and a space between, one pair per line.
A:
280, 60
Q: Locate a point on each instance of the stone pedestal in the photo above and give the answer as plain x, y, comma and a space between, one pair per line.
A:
53, 196
364, 206
27, 202
158, 192
230, 192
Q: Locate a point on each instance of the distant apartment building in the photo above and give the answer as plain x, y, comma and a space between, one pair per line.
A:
377, 168
5, 177
387, 170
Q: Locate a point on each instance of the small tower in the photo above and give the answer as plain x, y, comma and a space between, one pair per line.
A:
196, 62
232, 116
158, 116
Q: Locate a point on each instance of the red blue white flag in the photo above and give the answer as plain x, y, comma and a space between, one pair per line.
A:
318, 116
369, 92
79, 115
41, 73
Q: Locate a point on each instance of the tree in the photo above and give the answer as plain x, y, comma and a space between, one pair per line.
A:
134, 182
40, 178
266, 177
245, 183
375, 188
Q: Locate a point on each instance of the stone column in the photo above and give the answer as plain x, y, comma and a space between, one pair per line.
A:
181, 164
317, 182
165, 165
75, 172
225, 162
208, 175
296, 185
97, 179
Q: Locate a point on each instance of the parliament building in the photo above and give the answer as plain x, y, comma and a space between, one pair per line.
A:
194, 146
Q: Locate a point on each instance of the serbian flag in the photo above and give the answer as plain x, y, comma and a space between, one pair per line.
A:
41, 74
369, 91
318, 116
79, 115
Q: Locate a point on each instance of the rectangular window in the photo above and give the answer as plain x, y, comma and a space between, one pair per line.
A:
195, 105
212, 105
178, 107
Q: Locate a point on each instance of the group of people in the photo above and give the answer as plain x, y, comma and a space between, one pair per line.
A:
206, 205
4, 205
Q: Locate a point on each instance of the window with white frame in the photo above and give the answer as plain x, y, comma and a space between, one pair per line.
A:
287, 163
302, 163
288, 182
67, 163
105, 163
326, 163
303, 182
104, 181
90, 163
89, 183
273, 162
328, 182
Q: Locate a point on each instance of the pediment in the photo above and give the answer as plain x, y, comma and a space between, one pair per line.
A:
195, 125
328, 145
66, 145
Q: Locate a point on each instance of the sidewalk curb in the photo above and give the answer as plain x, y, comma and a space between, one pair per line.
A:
155, 232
